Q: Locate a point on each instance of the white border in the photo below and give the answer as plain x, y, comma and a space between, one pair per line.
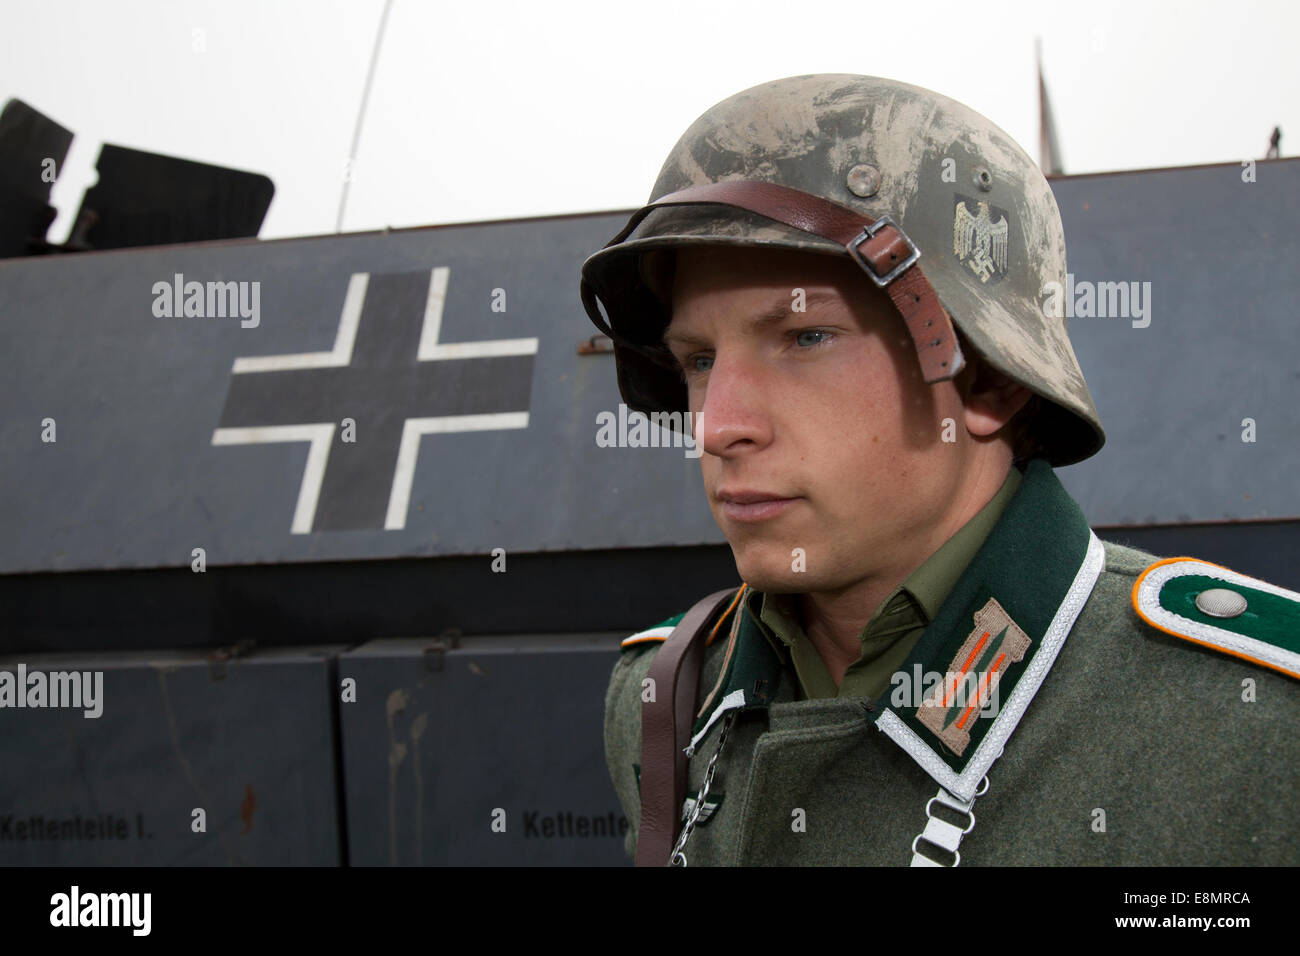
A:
344, 339
733, 700
413, 429
963, 786
320, 435
431, 350
649, 632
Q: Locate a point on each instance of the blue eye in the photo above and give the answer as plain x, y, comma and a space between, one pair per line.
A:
802, 332
692, 366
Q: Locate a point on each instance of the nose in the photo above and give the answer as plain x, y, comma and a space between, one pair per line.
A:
734, 416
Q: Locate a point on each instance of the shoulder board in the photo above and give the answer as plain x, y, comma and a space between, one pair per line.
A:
653, 635
659, 633
1210, 605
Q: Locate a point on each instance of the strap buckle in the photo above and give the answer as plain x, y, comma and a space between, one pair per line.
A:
869, 232
941, 834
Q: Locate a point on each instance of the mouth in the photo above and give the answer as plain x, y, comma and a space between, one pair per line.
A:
753, 505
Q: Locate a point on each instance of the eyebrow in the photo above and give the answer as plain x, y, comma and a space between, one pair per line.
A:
776, 313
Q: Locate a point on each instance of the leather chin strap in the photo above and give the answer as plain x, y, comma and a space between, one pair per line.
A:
878, 246
666, 721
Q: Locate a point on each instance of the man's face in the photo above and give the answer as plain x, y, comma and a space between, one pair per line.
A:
824, 410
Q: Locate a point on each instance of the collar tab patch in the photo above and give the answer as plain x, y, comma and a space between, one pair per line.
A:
961, 774
952, 707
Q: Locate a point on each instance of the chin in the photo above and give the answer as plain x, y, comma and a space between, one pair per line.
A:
770, 571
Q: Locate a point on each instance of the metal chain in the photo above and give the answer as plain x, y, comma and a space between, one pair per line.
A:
678, 858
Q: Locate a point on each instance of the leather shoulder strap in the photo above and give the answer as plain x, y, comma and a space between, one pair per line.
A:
666, 729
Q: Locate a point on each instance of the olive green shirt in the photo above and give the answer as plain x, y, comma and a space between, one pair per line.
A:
898, 623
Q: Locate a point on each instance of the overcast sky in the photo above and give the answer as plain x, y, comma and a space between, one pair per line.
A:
492, 109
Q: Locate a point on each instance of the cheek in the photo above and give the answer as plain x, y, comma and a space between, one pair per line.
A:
861, 398
867, 444
882, 393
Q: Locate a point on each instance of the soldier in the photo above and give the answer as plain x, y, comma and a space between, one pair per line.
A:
840, 278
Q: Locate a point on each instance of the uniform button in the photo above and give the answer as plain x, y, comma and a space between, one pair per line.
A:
1220, 602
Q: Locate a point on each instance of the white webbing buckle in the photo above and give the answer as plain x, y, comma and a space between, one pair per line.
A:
939, 832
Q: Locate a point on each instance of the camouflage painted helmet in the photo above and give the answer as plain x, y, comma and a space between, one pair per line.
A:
970, 201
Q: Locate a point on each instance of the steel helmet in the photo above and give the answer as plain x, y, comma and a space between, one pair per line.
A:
938, 205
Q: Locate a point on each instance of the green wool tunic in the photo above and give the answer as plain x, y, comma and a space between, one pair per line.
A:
1109, 742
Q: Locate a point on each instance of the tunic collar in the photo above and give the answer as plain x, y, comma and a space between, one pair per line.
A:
962, 690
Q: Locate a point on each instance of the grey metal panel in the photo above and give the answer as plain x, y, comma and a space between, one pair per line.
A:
135, 482
438, 741
1221, 256
251, 742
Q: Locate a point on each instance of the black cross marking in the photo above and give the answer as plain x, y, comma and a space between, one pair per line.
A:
382, 387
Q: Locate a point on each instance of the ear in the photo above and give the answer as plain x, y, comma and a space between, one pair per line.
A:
989, 397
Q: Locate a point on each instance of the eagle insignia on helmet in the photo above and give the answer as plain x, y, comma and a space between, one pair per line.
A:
978, 241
